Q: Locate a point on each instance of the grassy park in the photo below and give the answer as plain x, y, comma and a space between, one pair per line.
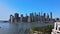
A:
42, 30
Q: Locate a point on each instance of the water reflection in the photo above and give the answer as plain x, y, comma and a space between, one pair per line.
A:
7, 28
20, 28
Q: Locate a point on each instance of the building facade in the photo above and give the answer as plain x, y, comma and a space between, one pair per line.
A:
56, 29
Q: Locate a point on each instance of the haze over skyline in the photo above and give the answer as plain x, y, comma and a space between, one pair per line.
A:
8, 7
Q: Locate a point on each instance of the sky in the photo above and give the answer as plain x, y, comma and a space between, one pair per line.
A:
8, 7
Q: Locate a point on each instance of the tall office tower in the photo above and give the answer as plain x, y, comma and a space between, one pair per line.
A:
51, 15
35, 14
16, 17
31, 17
47, 16
26, 18
39, 13
44, 15
35, 17
11, 18
39, 17
21, 19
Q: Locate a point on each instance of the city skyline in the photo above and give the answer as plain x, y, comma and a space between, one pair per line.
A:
32, 17
8, 7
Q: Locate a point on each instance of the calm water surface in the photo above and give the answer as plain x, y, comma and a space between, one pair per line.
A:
7, 28
20, 28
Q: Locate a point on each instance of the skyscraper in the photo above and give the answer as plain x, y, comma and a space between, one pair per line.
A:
16, 17
21, 19
47, 17
35, 17
26, 18
11, 18
51, 15
44, 14
39, 13
31, 17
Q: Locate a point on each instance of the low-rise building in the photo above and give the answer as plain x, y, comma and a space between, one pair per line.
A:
56, 29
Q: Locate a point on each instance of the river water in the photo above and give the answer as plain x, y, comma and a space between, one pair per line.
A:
19, 28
